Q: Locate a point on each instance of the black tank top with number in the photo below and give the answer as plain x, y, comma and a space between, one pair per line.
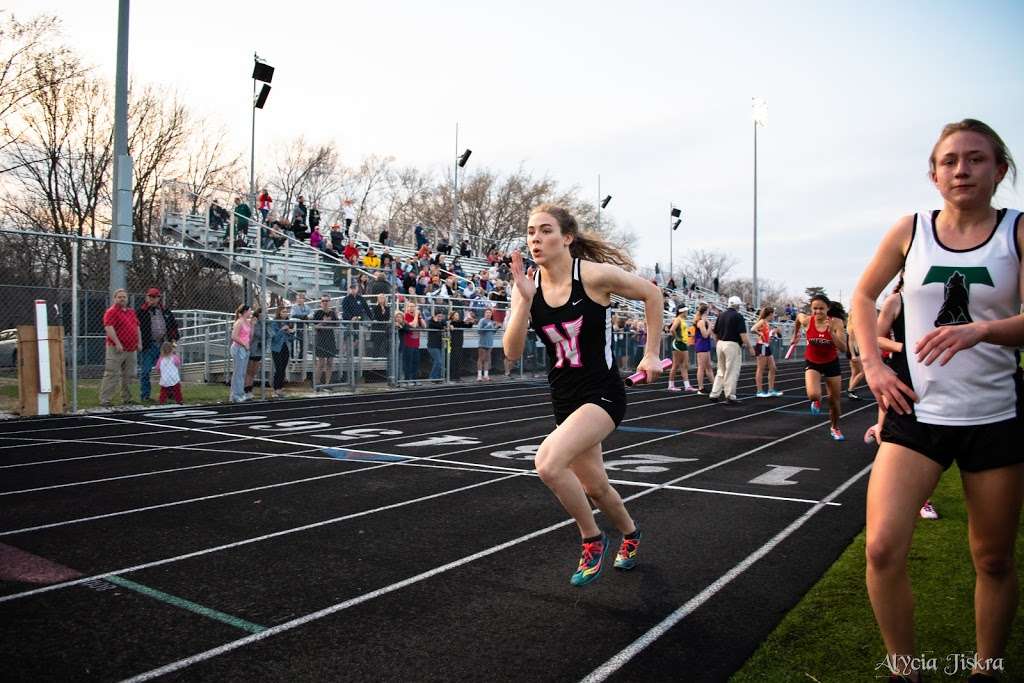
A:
578, 339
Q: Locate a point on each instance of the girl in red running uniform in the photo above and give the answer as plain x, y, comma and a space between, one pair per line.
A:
762, 330
825, 338
567, 302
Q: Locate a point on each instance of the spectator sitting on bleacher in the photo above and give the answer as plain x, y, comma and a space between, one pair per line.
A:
464, 249
316, 240
439, 261
479, 303
337, 238
379, 284
422, 280
443, 246
351, 252
371, 260
423, 253
218, 216
457, 267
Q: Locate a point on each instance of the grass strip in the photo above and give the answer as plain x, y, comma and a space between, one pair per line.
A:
831, 634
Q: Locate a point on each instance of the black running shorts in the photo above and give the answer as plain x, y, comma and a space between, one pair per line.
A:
830, 369
611, 397
974, 448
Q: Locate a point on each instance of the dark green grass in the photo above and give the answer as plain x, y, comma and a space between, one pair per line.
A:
831, 634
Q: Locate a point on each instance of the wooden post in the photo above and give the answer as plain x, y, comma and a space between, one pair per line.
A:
28, 370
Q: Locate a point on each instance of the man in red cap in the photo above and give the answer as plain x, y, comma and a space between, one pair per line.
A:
157, 324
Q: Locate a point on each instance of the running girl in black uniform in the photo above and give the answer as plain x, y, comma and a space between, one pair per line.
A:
567, 301
954, 393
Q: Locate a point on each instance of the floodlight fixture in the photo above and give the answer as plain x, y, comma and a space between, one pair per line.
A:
604, 202
262, 72
261, 99
464, 158
676, 222
676, 213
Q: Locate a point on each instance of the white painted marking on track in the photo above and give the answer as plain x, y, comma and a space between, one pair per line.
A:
780, 475
338, 607
615, 663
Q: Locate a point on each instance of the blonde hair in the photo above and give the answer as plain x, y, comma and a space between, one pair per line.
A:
585, 245
166, 349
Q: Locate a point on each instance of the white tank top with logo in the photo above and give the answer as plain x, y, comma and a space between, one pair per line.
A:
945, 286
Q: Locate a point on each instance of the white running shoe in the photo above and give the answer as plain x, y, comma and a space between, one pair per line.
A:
928, 512
764, 394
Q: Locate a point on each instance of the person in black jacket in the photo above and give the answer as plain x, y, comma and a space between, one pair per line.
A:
157, 324
435, 344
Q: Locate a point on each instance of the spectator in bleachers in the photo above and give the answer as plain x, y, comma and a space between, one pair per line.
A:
443, 246
314, 218
243, 213
218, 216
439, 262
122, 344
384, 237
500, 301
379, 284
619, 335
264, 202
479, 303
316, 240
423, 255
282, 335
371, 260
486, 328
457, 266
157, 324
348, 212
464, 249
299, 215
671, 284
351, 252
337, 238
420, 235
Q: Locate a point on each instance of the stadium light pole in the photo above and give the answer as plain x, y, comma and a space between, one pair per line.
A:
460, 162
121, 228
760, 116
675, 217
263, 72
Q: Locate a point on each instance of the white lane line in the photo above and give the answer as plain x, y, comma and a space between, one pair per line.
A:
265, 409
615, 663
483, 469
133, 476
145, 449
338, 607
248, 541
720, 492
197, 553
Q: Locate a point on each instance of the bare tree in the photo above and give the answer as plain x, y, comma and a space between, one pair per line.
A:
295, 164
368, 187
27, 50
703, 266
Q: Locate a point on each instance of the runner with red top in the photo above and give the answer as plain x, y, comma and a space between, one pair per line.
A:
826, 337
566, 300
762, 330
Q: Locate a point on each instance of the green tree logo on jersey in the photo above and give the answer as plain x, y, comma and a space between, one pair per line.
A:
958, 281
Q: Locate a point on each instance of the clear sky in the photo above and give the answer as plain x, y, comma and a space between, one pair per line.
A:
653, 96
